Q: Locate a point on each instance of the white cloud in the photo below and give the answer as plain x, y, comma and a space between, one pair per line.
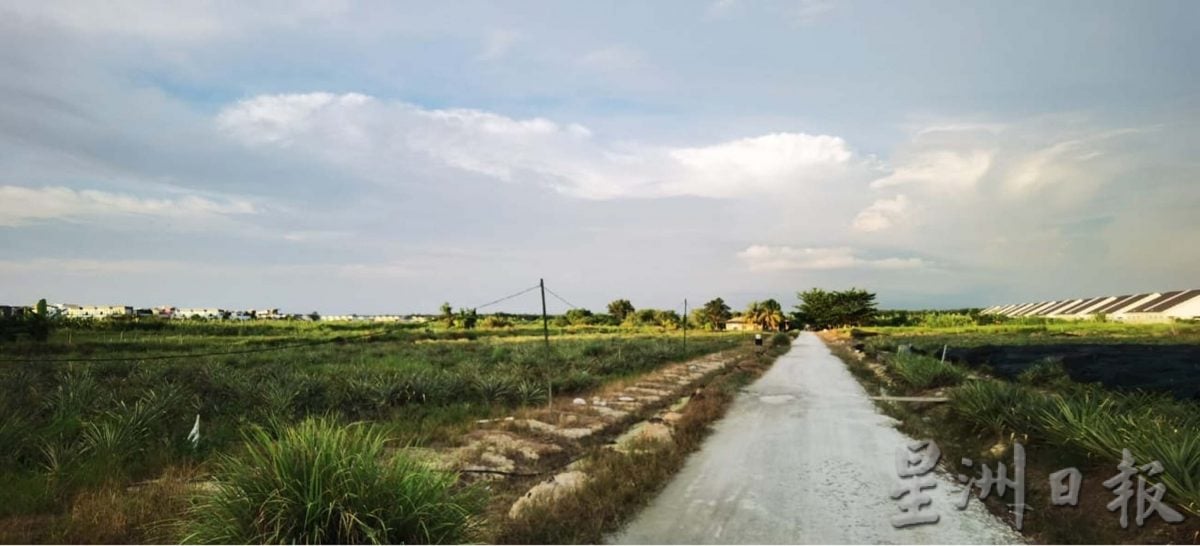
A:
946, 169
786, 258
381, 139
20, 205
882, 214
764, 162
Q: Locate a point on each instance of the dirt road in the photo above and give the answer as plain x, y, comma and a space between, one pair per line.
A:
803, 457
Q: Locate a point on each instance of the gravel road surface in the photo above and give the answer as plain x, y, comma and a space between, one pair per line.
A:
803, 456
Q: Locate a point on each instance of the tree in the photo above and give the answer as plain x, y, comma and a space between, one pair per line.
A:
830, 309
495, 321
714, 314
767, 315
579, 317
646, 316
39, 323
468, 318
620, 309
313, 316
448, 314
667, 319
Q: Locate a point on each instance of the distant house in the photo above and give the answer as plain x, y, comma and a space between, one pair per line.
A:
268, 314
211, 313
740, 324
98, 311
13, 311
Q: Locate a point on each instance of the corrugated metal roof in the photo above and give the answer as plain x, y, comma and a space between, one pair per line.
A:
1182, 297
1120, 302
1082, 305
1024, 311
1162, 298
1019, 308
1037, 309
1062, 305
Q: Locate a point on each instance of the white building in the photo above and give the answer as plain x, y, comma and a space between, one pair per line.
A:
740, 324
198, 312
1151, 307
268, 314
97, 311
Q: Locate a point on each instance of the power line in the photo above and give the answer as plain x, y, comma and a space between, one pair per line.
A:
509, 297
560, 298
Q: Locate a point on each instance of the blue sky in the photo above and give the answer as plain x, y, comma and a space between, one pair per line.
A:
385, 157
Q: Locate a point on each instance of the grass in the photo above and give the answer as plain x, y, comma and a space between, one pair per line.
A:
324, 482
1062, 423
923, 372
76, 432
1030, 332
1095, 423
995, 406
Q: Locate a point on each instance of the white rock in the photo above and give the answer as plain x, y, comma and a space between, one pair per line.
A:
548, 491
579, 402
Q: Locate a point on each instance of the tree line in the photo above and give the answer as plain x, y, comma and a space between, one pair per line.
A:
817, 309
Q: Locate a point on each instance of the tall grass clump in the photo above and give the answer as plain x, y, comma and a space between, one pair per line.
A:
323, 482
997, 406
1151, 427
922, 372
781, 339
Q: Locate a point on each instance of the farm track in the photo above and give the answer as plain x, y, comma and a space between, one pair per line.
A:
543, 446
802, 456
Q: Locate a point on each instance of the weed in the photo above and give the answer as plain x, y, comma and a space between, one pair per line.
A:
922, 372
324, 482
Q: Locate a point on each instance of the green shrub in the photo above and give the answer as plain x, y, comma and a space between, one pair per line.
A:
922, 372
946, 320
997, 405
127, 431
781, 339
1151, 427
324, 482
1048, 372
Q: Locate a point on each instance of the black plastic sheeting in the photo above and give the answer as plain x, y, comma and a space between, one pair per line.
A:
1173, 369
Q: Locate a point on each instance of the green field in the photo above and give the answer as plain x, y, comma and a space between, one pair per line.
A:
102, 406
1074, 393
1037, 331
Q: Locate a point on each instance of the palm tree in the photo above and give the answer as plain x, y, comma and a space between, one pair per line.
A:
754, 314
767, 315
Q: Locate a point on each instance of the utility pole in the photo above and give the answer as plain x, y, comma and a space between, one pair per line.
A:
545, 322
685, 323
546, 338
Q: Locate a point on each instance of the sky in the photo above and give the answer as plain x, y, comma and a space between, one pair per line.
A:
378, 157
